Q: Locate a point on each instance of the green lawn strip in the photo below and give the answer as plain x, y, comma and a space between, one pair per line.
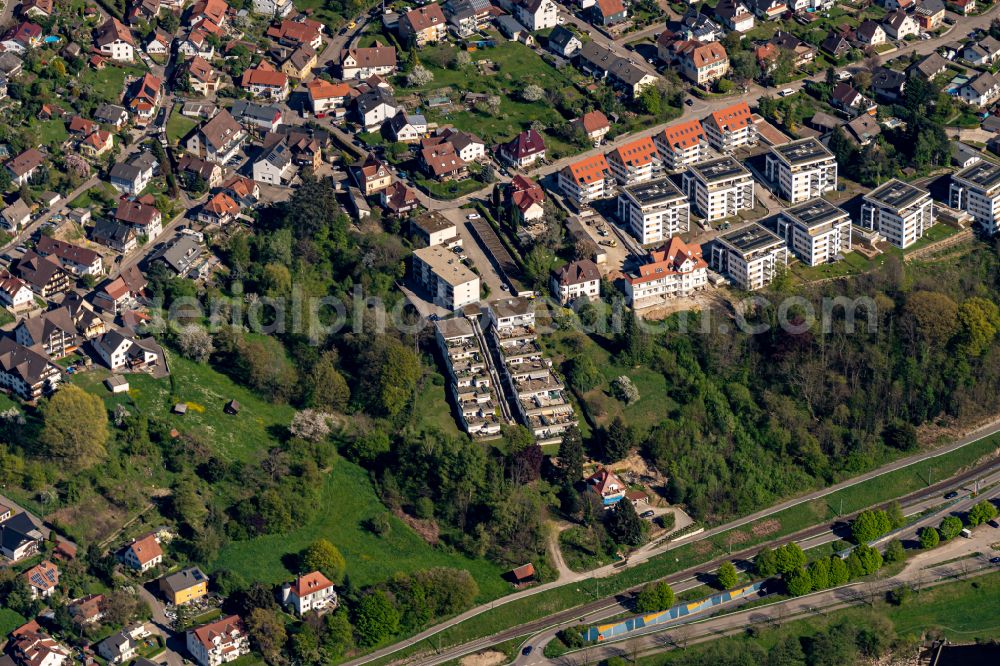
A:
963, 611
350, 502
433, 411
9, 621
867, 493
451, 189
178, 126
206, 392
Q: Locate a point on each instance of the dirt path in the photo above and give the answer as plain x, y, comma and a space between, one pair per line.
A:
565, 573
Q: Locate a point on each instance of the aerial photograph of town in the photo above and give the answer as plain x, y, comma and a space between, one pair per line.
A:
499, 332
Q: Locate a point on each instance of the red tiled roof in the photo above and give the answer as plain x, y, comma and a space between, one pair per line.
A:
733, 117
684, 135
635, 153
310, 583
146, 549
668, 260
589, 170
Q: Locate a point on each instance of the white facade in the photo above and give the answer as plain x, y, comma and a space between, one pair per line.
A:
449, 282
719, 188
655, 211
816, 232
976, 190
275, 8
803, 169
750, 257
898, 211
537, 14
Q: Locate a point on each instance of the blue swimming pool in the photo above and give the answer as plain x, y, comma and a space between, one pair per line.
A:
52, 39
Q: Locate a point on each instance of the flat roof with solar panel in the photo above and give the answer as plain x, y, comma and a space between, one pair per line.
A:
654, 192
719, 169
751, 238
797, 153
897, 194
982, 174
816, 214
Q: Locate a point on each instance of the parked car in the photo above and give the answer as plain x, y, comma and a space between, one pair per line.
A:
786, 92
647, 514
472, 216
995, 560
952, 495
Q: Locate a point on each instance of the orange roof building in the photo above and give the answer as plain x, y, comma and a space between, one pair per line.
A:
310, 592
682, 144
673, 271
634, 162
586, 180
143, 554
731, 128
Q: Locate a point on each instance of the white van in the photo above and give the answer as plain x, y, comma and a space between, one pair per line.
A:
786, 92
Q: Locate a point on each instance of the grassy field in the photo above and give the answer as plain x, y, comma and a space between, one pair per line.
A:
88, 199
433, 411
205, 391
179, 126
9, 621
504, 70
352, 501
108, 84
601, 407
51, 133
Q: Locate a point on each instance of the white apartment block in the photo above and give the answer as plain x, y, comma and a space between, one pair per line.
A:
816, 231
439, 271
731, 128
750, 256
587, 180
673, 271
803, 169
634, 162
976, 190
682, 145
719, 188
470, 380
539, 396
654, 211
898, 211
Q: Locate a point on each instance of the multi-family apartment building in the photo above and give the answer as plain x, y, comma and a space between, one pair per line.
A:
803, 169
449, 282
586, 180
976, 189
576, 279
816, 232
682, 144
672, 271
750, 256
634, 162
219, 642
898, 211
538, 395
731, 128
654, 211
471, 383
719, 188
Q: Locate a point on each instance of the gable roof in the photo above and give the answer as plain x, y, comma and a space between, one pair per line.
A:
147, 548
527, 143
321, 89
26, 162
733, 118
684, 135
32, 367
220, 129
593, 121
111, 31
422, 18
206, 634
577, 272
310, 583
635, 153
66, 251
588, 170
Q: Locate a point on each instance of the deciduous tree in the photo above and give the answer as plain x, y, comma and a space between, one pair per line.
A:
75, 428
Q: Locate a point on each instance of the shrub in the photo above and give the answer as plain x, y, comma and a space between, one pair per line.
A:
625, 390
